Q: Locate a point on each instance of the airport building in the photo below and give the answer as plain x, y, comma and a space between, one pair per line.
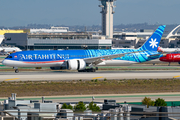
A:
83, 40
60, 38
136, 43
2, 32
130, 39
55, 41
12, 108
137, 39
56, 38
51, 30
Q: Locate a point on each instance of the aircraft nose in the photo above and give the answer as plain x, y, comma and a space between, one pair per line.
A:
4, 62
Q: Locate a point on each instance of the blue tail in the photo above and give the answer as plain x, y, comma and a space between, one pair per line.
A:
153, 42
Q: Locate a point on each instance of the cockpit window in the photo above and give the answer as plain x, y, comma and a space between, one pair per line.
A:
9, 56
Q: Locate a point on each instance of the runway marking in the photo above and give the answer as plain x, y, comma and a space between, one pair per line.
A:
98, 77
11, 79
176, 76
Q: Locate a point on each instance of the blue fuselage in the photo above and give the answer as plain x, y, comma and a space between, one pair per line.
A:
54, 55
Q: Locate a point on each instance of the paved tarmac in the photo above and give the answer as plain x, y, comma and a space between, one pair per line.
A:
100, 75
120, 98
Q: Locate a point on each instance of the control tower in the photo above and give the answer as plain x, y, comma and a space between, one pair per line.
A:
107, 17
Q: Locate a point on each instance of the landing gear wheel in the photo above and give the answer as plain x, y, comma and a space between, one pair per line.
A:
16, 71
91, 70
96, 68
81, 71
88, 70
169, 64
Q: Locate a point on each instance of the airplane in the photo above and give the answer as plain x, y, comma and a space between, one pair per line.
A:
8, 50
81, 59
171, 57
168, 50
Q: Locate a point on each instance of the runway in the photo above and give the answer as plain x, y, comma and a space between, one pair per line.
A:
100, 75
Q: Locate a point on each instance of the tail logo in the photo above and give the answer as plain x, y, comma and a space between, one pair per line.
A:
153, 43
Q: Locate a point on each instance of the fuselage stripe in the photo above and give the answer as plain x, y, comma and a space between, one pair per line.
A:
44, 62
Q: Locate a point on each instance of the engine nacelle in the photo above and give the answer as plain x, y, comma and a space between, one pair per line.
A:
76, 64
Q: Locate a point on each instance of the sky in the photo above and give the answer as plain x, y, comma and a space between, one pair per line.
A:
86, 12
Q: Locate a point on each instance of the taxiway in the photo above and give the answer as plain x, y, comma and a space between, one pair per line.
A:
100, 75
120, 98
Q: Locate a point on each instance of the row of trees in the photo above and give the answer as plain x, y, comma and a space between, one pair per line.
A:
157, 102
80, 107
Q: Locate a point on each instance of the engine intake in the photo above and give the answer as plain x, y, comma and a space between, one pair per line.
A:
76, 64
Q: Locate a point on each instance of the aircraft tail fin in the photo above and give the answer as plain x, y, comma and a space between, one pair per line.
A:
153, 42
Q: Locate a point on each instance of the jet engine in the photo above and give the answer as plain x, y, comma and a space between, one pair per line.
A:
76, 64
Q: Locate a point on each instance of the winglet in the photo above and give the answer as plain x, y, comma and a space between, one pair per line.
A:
153, 42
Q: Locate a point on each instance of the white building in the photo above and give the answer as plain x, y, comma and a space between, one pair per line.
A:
51, 30
173, 35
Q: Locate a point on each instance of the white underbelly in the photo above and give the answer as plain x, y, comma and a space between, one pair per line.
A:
116, 63
32, 64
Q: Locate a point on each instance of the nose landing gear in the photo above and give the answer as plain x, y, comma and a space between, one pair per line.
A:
16, 69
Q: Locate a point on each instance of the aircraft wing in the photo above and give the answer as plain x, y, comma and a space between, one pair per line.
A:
97, 60
161, 53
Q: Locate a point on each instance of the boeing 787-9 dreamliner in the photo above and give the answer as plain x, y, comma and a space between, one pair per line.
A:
86, 60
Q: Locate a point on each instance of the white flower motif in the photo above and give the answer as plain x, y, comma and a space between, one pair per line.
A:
153, 43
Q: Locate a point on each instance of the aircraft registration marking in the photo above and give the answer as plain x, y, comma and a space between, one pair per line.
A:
11, 79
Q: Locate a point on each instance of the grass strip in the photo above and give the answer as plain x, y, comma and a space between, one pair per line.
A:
49, 88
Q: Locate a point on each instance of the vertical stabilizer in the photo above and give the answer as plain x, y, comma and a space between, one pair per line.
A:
153, 42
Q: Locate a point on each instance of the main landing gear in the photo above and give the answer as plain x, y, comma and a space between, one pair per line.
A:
89, 70
16, 69
169, 64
